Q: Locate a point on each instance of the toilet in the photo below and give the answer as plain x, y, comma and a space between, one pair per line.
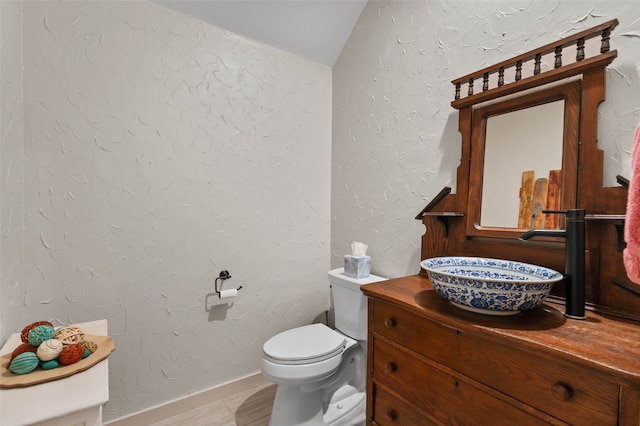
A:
321, 372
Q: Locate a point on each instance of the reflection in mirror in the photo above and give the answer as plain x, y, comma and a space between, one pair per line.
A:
522, 167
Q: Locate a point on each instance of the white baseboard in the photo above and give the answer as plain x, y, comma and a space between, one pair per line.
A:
169, 409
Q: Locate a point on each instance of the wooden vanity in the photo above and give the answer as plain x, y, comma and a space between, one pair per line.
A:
430, 362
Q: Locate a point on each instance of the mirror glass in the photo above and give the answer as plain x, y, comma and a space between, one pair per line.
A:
522, 167
524, 159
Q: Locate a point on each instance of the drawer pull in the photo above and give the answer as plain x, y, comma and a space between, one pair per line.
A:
392, 367
392, 416
390, 322
561, 391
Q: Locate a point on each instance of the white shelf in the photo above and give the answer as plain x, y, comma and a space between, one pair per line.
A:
76, 399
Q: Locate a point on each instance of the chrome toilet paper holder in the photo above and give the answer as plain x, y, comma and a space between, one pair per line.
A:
224, 275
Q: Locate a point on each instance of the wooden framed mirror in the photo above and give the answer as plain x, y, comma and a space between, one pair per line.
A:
524, 161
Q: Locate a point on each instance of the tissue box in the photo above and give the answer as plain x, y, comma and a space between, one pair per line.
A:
357, 266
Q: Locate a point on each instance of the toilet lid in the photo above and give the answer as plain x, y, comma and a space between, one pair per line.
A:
303, 345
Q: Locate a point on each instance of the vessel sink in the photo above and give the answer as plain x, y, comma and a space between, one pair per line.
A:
490, 286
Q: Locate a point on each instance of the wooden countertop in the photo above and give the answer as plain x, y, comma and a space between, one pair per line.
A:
611, 345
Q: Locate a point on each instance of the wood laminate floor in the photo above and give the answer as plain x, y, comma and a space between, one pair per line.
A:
251, 407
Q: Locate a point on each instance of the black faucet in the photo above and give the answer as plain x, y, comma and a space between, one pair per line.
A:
574, 258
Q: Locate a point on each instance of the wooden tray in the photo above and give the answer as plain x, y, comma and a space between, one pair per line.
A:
37, 376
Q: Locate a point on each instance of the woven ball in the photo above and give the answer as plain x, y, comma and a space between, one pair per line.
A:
24, 363
40, 333
89, 345
22, 348
69, 335
24, 336
49, 349
49, 365
71, 354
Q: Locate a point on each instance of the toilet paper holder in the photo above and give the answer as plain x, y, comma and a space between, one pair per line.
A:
224, 275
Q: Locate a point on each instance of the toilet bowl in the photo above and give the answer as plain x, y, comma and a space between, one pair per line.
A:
304, 355
321, 372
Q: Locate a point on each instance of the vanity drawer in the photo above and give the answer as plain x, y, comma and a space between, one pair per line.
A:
389, 410
447, 399
572, 393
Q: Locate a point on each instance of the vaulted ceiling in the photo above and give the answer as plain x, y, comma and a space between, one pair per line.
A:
314, 29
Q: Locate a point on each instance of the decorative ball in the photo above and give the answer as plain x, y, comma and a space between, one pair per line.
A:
24, 363
22, 348
86, 353
89, 345
69, 335
24, 336
49, 365
40, 333
49, 349
71, 354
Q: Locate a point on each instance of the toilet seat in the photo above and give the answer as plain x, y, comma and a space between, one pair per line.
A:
304, 345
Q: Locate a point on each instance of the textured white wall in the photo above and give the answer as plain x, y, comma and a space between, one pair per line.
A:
159, 151
395, 136
11, 164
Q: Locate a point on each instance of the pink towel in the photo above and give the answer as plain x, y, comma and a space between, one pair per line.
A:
631, 254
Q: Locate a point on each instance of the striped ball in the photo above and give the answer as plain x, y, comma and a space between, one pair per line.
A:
24, 363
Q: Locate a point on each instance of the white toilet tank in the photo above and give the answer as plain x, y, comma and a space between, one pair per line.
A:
350, 305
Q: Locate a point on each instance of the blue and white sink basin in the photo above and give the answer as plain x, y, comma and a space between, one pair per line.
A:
490, 286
